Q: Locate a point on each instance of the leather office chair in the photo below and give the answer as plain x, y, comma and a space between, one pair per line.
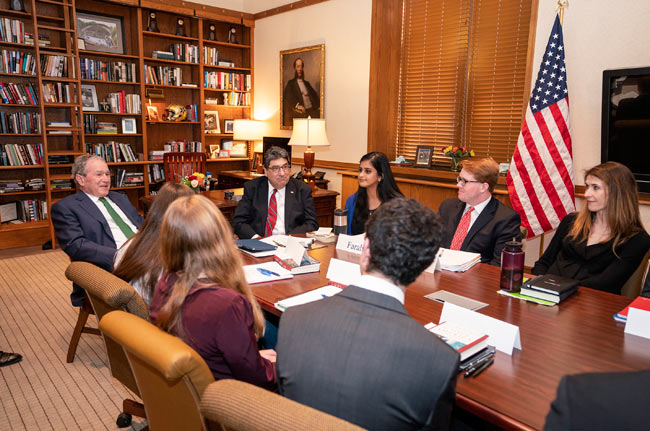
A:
178, 165
106, 293
633, 286
171, 376
240, 406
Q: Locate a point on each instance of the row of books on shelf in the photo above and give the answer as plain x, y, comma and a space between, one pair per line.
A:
60, 125
61, 184
123, 103
20, 122
54, 65
227, 81
180, 146
23, 211
192, 112
156, 173
112, 151
18, 94
57, 92
163, 75
21, 154
210, 56
43, 39
17, 62
237, 99
179, 52
12, 30
116, 71
13, 186
123, 178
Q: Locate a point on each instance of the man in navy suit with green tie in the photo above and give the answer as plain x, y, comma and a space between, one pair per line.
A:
93, 223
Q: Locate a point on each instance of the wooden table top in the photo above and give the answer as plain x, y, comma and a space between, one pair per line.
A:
579, 335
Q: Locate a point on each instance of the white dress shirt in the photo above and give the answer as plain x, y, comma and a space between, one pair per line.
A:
118, 235
279, 198
382, 286
477, 211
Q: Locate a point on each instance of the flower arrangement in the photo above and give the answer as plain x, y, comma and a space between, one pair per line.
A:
194, 181
457, 154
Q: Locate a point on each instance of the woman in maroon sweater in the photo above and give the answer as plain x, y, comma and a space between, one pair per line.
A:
203, 296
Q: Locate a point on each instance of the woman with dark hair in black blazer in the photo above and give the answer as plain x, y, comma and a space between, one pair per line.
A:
376, 186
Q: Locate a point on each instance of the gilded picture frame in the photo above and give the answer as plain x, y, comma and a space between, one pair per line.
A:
302, 74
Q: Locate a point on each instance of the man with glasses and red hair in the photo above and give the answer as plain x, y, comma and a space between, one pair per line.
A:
476, 221
276, 203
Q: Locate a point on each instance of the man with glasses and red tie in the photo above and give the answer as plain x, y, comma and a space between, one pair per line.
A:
276, 203
476, 221
93, 223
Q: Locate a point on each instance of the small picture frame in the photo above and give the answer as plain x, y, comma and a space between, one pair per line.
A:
226, 144
214, 151
89, 98
423, 156
239, 149
81, 44
129, 126
152, 113
257, 161
229, 126
224, 154
211, 122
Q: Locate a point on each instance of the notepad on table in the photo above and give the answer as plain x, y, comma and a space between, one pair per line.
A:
264, 272
311, 296
457, 260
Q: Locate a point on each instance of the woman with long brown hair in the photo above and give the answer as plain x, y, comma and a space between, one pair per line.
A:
602, 244
203, 296
138, 260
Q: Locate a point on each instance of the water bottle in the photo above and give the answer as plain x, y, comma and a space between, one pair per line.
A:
206, 181
512, 266
340, 221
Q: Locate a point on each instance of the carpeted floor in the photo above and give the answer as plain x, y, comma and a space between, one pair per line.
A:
43, 392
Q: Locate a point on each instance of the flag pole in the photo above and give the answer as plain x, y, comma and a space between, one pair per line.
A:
561, 5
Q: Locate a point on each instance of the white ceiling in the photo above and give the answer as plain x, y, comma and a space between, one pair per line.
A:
249, 6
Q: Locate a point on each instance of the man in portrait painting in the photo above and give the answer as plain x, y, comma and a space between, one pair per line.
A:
300, 100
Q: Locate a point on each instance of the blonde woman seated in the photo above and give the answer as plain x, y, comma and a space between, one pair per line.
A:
603, 244
138, 260
203, 296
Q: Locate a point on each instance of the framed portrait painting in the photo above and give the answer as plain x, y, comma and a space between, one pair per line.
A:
302, 84
102, 33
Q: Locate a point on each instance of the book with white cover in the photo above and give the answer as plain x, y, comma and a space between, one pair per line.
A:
311, 296
457, 260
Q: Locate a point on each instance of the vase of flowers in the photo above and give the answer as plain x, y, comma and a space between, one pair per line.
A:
194, 181
457, 154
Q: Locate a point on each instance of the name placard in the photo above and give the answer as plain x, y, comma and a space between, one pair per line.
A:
351, 243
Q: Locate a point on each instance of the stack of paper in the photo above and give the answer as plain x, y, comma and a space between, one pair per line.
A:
458, 261
342, 274
311, 296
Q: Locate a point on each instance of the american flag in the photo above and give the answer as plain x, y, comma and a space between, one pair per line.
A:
540, 179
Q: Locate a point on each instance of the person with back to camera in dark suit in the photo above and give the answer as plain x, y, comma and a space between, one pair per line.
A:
601, 402
93, 223
358, 355
299, 99
476, 221
276, 203
602, 244
376, 186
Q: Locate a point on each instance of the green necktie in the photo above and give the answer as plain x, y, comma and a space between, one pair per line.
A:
126, 230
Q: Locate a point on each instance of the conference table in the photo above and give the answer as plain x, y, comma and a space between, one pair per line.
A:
578, 335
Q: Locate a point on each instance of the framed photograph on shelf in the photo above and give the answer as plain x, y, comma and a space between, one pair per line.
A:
152, 113
103, 33
423, 156
228, 126
211, 122
306, 64
239, 149
89, 98
226, 144
129, 126
214, 151
224, 154
258, 161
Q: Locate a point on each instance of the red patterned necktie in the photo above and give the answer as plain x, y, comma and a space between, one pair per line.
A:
461, 230
273, 214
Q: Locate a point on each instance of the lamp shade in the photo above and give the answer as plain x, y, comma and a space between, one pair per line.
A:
309, 132
248, 130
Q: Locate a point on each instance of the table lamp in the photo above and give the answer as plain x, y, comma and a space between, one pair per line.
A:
248, 130
309, 132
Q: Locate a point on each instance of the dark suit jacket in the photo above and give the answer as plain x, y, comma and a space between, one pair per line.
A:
601, 401
292, 96
496, 225
83, 232
251, 212
359, 356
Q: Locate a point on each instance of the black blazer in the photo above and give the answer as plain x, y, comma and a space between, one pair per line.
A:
83, 232
293, 96
601, 401
252, 210
496, 225
359, 356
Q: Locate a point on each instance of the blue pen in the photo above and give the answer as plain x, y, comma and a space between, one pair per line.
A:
267, 272
323, 295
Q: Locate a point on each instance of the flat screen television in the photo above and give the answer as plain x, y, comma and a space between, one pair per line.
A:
269, 141
626, 121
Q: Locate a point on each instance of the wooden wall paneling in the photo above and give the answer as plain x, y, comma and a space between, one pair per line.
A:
385, 53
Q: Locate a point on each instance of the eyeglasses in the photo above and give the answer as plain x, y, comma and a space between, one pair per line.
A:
462, 181
276, 169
